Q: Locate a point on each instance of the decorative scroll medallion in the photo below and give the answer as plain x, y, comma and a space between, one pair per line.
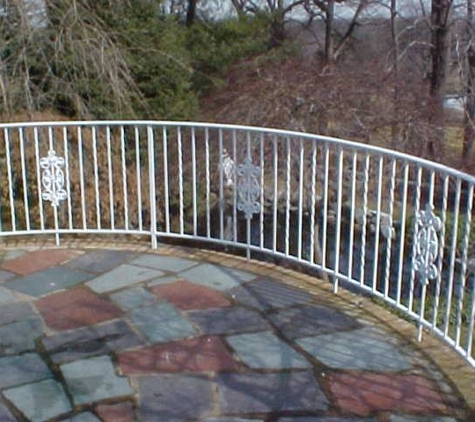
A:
52, 178
427, 244
248, 188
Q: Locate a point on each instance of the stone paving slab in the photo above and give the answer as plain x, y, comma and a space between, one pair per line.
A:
48, 281
357, 349
76, 308
187, 296
101, 261
309, 320
405, 418
5, 415
123, 276
233, 320
36, 261
7, 296
119, 412
214, 277
39, 401
20, 336
266, 351
12, 312
363, 394
83, 417
256, 393
161, 323
164, 263
21, 369
173, 398
92, 380
136, 297
201, 354
6, 275
265, 294
91, 341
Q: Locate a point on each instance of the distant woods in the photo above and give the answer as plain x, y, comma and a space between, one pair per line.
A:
378, 72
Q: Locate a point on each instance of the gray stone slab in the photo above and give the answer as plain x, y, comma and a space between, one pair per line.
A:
361, 349
20, 336
264, 393
214, 277
225, 419
164, 263
136, 297
100, 261
404, 418
170, 397
92, 380
265, 294
6, 296
5, 415
161, 323
83, 417
232, 320
324, 419
122, 276
26, 368
48, 281
39, 401
12, 312
5, 275
266, 351
15, 253
91, 341
309, 320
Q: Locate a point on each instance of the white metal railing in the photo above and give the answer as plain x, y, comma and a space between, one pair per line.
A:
387, 223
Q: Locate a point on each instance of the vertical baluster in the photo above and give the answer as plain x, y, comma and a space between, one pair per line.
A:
55, 208
374, 286
151, 182
194, 180
180, 181
165, 179
235, 216
10, 178
81, 179
208, 187
287, 200
67, 174
262, 181
403, 234
24, 180
124, 179
111, 178
275, 222
314, 245
222, 202
300, 199
389, 230
38, 178
338, 219
365, 216
96, 177
325, 207
453, 249
352, 214
463, 273
139, 174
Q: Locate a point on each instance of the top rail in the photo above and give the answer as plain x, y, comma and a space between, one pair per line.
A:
387, 223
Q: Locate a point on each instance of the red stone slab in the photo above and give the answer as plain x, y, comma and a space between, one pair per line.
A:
75, 308
188, 296
364, 394
120, 412
39, 260
200, 354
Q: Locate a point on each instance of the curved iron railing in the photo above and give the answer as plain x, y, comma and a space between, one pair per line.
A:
382, 222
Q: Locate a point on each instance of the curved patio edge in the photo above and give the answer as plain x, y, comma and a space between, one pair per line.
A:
439, 356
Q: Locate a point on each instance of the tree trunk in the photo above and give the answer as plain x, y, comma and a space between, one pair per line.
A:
329, 20
191, 12
395, 70
440, 26
469, 107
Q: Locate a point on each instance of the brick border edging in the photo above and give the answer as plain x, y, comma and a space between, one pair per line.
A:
457, 371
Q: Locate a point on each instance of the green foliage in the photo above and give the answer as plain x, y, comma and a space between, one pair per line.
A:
214, 46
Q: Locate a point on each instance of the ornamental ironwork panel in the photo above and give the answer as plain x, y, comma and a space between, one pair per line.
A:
248, 188
52, 178
427, 244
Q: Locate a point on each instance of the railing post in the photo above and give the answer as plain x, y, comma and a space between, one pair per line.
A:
151, 175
